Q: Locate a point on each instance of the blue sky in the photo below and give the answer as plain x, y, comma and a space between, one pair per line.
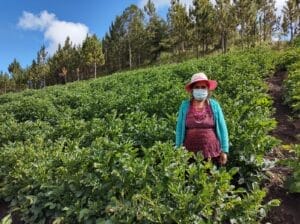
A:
24, 28
25, 25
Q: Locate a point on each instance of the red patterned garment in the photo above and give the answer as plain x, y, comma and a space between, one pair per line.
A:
200, 133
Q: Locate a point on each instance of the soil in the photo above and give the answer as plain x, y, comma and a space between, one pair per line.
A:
4, 210
287, 131
288, 128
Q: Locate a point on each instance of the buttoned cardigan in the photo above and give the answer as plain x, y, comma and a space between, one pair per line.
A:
220, 124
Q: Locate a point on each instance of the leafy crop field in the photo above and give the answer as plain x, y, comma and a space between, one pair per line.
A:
290, 60
102, 151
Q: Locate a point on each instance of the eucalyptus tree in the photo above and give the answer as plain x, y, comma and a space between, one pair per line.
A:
17, 73
156, 33
133, 19
225, 21
267, 19
247, 23
62, 64
114, 46
124, 44
91, 52
290, 18
42, 66
179, 27
202, 17
4, 82
32, 75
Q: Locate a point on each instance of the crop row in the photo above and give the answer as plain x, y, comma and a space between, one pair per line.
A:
290, 61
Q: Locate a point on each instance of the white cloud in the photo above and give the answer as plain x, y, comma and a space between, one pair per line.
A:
30, 21
60, 30
55, 31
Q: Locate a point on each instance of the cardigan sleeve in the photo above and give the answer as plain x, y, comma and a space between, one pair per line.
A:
178, 141
222, 129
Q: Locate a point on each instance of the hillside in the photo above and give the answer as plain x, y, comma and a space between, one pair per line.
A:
102, 151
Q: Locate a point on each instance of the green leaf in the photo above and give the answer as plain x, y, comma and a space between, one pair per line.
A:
83, 215
6, 219
274, 202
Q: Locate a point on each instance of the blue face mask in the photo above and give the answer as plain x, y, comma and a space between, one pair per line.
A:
200, 94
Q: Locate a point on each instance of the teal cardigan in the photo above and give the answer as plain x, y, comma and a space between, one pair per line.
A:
220, 124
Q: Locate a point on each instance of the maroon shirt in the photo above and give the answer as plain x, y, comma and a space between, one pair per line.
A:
200, 133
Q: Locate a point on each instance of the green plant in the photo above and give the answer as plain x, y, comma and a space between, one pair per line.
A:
293, 182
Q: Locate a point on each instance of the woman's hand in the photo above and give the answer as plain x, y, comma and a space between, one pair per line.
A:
223, 158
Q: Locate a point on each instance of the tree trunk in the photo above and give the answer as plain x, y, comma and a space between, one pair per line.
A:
242, 35
77, 72
203, 47
139, 58
223, 41
119, 61
265, 31
292, 32
206, 43
130, 56
95, 70
197, 42
254, 35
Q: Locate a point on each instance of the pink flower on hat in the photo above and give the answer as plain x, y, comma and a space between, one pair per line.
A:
212, 84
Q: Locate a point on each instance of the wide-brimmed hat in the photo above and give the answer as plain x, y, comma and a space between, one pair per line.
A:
212, 84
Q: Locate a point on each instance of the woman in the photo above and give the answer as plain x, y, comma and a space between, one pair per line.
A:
201, 126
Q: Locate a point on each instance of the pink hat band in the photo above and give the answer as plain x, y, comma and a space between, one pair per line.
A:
212, 84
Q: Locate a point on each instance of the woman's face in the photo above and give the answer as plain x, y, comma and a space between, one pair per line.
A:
200, 85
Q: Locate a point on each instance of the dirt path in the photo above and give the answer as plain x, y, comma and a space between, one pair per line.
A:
287, 130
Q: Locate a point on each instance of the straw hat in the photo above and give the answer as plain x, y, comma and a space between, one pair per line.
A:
212, 84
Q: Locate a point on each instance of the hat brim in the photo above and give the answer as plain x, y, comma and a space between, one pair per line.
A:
212, 84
